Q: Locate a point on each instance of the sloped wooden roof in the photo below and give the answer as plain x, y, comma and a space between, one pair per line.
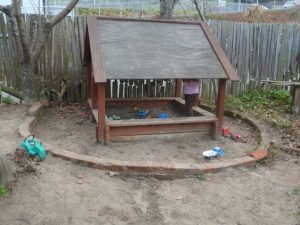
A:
122, 48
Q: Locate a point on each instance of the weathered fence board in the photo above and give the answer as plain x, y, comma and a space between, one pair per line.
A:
257, 51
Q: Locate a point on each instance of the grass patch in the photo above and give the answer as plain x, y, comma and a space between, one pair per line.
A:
7, 100
296, 191
201, 176
3, 192
272, 106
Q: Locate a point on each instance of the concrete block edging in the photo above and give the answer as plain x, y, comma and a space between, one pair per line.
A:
144, 167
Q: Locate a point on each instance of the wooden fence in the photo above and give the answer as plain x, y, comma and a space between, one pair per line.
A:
62, 57
258, 51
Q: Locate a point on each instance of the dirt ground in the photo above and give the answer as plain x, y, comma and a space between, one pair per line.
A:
63, 193
10, 119
71, 128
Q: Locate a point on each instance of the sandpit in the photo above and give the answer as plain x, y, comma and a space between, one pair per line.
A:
72, 128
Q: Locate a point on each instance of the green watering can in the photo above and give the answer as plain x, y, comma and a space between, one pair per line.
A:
34, 147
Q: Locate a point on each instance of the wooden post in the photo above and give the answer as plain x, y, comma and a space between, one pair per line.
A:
101, 112
221, 104
94, 94
296, 99
89, 80
91, 90
178, 88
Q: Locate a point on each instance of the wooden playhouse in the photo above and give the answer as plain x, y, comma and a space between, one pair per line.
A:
123, 48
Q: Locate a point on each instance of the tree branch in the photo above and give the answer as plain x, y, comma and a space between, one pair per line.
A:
198, 10
48, 27
21, 28
63, 13
40, 43
16, 36
34, 31
5, 9
9, 11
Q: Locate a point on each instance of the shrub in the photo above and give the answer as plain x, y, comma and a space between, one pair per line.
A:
269, 105
277, 99
7, 100
3, 192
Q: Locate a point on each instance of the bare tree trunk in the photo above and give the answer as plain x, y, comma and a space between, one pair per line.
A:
198, 10
166, 8
28, 82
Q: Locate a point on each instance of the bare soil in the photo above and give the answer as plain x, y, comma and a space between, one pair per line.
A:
63, 193
71, 128
10, 119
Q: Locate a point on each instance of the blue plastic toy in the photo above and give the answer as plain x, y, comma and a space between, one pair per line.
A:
219, 151
142, 113
163, 115
34, 147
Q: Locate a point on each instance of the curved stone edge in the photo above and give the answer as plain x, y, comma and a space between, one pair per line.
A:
144, 167
147, 167
34, 113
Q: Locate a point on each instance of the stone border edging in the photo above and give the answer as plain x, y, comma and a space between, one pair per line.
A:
172, 169
145, 167
33, 114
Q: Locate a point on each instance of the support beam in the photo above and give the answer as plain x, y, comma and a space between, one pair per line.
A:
94, 93
221, 104
178, 88
296, 99
101, 130
89, 80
